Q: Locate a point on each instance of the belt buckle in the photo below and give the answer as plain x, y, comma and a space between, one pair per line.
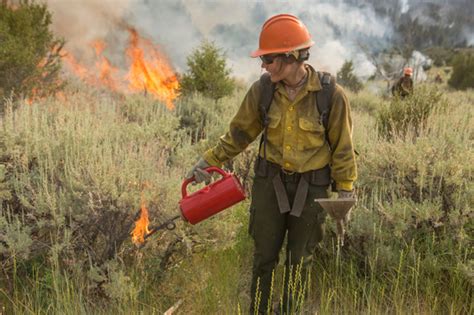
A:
289, 173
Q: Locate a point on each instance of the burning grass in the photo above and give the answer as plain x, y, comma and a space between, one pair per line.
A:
149, 70
141, 226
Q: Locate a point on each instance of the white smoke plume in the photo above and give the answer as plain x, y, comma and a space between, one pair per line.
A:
179, 26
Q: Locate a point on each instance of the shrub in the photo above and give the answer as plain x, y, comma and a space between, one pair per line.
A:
72, 178
208, 73
413, 209
29, 54
347, 78
406, 116
463, 71
441, 56
415, 189
203, 118
364, 101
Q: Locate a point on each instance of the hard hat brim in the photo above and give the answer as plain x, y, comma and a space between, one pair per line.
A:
260, 52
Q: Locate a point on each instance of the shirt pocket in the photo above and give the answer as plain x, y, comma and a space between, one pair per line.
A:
311, 134
274, 134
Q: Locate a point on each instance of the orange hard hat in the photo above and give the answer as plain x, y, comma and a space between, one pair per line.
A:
282, 33
408, 71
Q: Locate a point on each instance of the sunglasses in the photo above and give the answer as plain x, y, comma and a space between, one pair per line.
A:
268, 59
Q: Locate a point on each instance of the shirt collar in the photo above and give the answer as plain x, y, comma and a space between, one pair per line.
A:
312, 84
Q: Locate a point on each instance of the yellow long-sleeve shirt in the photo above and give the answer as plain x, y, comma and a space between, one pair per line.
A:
296, 137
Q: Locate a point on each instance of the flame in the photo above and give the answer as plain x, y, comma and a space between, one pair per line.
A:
106, 70
149, 70
33, 96
141, 226
79, 70
154, 76
37, 93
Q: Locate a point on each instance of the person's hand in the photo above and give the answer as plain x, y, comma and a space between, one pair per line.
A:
198, 172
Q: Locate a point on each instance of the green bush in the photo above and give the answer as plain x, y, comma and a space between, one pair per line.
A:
347, 78
30, 53
208, 73
72, 178
463, 71
202, 118
408, 116
441, 56
364, 101
416, 189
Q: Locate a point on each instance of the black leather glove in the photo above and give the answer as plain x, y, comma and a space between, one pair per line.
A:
198, 172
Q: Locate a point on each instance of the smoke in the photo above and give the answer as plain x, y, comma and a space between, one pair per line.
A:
419, 63
339, 28
336, 27
469, 37
405, 6
83, 21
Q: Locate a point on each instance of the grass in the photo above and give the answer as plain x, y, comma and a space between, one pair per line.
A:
73, 173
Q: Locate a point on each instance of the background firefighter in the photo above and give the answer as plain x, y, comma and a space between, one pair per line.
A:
404, 85
298, 158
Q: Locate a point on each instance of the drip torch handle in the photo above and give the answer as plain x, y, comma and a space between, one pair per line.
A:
211, 169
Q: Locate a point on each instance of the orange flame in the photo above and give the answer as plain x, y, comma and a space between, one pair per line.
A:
149, 70
141, 226
154, 76
79, 70
106, 70
33, 96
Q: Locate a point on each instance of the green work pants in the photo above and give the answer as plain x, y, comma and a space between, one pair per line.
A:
268, 228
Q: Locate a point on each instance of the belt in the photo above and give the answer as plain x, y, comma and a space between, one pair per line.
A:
280, 175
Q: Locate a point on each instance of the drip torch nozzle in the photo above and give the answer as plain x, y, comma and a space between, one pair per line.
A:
169, 225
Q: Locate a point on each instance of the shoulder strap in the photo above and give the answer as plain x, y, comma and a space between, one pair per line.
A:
266, 97
324, 98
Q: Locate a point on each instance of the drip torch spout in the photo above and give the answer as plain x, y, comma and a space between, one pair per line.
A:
169, 225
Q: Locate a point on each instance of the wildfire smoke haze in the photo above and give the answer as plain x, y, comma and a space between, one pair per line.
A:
147, 71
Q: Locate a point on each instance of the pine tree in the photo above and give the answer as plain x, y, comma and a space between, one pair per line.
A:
29, 54
346, 77
208, 73
463, 71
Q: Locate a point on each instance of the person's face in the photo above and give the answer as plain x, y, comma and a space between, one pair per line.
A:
276, 67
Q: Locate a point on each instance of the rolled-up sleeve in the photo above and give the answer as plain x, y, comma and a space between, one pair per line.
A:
343, 170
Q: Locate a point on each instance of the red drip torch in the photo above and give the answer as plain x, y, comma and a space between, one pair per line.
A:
205, 202
212, 198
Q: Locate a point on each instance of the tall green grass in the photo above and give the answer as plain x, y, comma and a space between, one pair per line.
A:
72, 174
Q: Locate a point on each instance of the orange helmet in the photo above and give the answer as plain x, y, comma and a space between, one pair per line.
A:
408, 71
282, 33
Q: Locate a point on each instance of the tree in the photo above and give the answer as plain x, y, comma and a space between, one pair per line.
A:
346, 77
30, 54
463, 71
208, 73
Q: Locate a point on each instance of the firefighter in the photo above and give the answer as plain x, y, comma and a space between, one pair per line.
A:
298, 158
404, 85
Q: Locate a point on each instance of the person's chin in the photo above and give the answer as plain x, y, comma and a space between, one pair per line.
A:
274, 78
